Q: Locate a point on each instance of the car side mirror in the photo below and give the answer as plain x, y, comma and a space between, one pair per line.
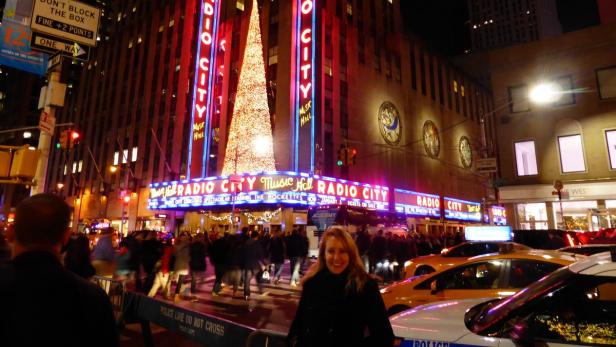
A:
435, 287
521, 334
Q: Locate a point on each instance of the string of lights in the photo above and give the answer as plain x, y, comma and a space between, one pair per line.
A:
265, 218
250, 143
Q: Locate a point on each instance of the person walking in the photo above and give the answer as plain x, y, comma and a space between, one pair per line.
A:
161, 280
151, 251
252, 256
44, 304
197, 264
295, 245
181, 266
103, 253
276, 256
77, 257
340, 304
218, 257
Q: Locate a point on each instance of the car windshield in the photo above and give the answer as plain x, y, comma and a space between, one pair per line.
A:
481, 319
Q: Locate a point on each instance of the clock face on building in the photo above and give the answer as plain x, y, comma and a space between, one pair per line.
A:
389, 123
466, 152
432, 142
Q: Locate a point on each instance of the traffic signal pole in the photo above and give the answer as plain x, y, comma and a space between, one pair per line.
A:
45, 142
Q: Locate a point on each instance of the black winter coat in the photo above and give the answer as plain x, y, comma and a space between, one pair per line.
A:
44, 304
277, 250
328, 315
197, 256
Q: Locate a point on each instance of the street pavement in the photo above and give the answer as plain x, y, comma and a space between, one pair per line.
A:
274, 310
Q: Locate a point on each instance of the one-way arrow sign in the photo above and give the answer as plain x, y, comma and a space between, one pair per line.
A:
50, 44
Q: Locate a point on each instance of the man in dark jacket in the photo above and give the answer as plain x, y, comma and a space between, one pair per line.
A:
197, 263
218, 257
252, 256
295, 245
42, 303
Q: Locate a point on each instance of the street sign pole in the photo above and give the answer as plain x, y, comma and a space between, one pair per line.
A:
45, 144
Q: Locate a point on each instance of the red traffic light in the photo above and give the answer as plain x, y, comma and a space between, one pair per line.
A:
74, 135
126, 199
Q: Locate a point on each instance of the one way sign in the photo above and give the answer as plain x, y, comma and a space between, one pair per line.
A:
50, 44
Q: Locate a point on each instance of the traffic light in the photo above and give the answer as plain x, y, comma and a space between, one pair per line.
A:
126, 199
351, 154
74, 138
342, 156
63, 141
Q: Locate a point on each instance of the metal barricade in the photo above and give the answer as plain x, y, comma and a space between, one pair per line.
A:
115, 290
266, 338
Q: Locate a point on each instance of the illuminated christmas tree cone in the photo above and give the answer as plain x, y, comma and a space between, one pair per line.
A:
250, 147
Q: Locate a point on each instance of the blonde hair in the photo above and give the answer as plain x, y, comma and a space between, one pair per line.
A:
357, 275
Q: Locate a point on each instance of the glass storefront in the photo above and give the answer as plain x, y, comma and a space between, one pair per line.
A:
532, 216
576, 215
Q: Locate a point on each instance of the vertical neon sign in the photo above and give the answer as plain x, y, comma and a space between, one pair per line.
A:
304, 88
198, 145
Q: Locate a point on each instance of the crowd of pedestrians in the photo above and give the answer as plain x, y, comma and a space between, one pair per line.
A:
384, 254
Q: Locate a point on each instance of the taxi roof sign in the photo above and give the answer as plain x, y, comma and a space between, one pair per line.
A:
488, 233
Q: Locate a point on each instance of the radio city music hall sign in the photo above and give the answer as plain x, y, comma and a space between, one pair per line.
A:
283, 186
417, 204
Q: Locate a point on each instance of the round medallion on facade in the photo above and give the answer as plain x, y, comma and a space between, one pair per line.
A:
389, 123
432, 142
466, 152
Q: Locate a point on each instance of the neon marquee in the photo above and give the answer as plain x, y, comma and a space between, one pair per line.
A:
417, 204
499, 215
198, 146
304, 98
462, 210
271, 187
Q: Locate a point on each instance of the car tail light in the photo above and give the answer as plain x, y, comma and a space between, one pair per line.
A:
397, 341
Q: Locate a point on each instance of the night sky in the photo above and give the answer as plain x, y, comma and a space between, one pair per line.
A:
443, 24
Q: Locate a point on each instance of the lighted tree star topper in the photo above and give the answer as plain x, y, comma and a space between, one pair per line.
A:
250, 144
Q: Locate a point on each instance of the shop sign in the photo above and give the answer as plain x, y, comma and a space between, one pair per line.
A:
499, 215
202, 100
272, 187
304, 38
417, 204
462, 210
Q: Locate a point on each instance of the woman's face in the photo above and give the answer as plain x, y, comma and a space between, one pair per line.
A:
336, 256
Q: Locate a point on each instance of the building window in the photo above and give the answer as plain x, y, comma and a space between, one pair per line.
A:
571, 153
116, 158
606, 81
518, 99
526, 160
565, 84
134, 154
240, 5
610, 138
273, 56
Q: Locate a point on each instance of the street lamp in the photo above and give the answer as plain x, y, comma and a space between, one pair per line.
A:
545, 93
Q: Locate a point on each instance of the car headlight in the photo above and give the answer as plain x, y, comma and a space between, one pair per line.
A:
407, 263
385, 291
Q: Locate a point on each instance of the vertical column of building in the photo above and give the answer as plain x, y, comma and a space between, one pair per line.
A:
205, 70
304, 102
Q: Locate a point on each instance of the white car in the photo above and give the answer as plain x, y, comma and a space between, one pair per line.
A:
573, 306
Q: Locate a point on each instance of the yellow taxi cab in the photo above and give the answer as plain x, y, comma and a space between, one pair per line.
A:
484, 276
457, 255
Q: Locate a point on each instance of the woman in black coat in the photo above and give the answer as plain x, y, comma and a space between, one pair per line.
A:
340, 304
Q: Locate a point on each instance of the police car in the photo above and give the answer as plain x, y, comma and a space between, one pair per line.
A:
573, 306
